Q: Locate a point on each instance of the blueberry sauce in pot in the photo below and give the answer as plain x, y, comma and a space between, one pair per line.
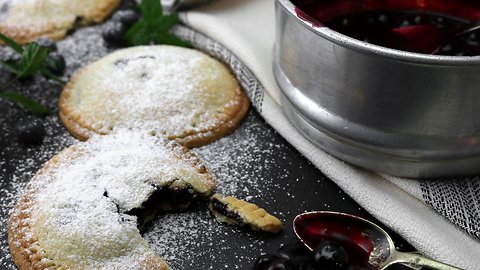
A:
413, 26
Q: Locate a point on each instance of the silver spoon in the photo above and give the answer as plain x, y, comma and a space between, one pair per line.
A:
430, 39
459, 32
366, 244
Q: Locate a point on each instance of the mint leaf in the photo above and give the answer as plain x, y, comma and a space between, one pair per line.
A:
32, 58
138, 34
50, 75
151, 10
54, 63
12, 67
164, 23
154, 26
24, 101
11, 43
170, 39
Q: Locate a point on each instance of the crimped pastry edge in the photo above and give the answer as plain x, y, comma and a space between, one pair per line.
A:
25, 33
235, 115
248, 212
22, 246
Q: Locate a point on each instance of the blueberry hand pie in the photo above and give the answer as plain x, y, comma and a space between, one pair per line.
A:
26, 20
79, 211
179, 93
239, 212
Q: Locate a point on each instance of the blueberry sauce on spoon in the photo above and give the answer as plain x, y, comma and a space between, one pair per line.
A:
367, 246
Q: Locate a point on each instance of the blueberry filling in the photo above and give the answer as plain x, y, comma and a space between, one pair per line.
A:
163, 198
122, 63
145, 56
221, 208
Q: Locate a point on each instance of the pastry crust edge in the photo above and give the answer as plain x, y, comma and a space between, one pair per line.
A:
25, 33
210, 134
257, 218
22, 247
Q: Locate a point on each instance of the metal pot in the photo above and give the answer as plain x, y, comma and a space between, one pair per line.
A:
395, 112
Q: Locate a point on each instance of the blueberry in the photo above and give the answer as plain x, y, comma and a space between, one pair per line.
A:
418, 19
59, 63
405, 23
48, 43
383, 18
113, 32
30, 129
305, 266
296, 252
446, 50
473, 38
281, 264
329, 255
126, 17
263, 261
440, 22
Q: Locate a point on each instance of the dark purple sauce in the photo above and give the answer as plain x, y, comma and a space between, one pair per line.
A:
414, 26
350, 235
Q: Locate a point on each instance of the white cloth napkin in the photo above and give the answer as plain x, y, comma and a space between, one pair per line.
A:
439, 218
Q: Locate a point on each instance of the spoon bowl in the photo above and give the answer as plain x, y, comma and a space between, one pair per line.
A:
367, 245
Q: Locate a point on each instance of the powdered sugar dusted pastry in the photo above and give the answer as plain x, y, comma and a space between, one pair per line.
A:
76, 212
179, 93
27, 20
238, 212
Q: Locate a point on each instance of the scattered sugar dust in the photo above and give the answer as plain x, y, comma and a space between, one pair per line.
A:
244, 163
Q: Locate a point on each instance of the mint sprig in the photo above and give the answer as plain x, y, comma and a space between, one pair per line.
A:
25, 101
31, 61
154, 26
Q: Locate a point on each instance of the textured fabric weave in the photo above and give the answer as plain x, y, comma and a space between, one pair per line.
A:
457, 199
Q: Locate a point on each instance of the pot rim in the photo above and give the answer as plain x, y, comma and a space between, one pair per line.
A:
366, 48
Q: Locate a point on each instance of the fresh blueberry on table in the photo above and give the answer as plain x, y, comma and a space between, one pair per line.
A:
281, 264
30, 130
298, 253
263, 261
60, 63
113, 32
126, 17
48, 43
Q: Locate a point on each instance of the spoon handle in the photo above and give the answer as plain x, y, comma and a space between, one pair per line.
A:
416, 260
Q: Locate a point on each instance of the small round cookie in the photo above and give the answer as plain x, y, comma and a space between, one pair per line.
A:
26, 20
176, 92
76, 213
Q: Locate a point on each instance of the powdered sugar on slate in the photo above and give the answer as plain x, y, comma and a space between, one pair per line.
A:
241, 163
82, 196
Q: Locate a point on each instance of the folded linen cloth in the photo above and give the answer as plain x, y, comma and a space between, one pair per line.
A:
440, 218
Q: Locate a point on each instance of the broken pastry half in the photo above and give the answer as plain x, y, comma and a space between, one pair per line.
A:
182, 94
78, 210
238, 212
27, 20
